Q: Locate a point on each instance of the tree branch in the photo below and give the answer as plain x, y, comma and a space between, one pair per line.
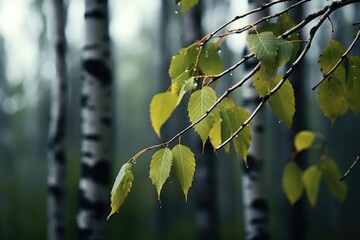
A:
350, 169
277, 87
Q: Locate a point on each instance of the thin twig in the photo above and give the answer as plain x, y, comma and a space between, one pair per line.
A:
350, 169
264, 6
267, 18
340, 60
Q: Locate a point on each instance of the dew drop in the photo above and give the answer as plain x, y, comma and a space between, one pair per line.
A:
220, 119
353, 66
219, 51
231, 73
194, 69
279, 121
267, 20
237, 136
354, 77
206, 54
289, 36
195, 84
176, 12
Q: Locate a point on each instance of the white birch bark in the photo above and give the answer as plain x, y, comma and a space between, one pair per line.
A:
256, 208
56, 149
95, 123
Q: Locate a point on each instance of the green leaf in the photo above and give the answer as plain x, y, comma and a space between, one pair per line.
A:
121, 187
284, 52
199, 103
184, 61
179, 81
187, 4
187, 86
292, 182
225, 121
311, 179
210, 62
352, 83
264, 45
263, 79
161, 107
183, 167
217, 131
282, 103
160, 167
237, 116
331, 175
284, 23
304, 140
330, 56
332, 99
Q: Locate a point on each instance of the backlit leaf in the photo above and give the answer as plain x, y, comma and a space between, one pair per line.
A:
199, 103
161, 107
331, 175
210, 62
184, 61
330, 56
311, 179
282, 103
187, 4
264, 45
237, 116
284, 52
121, 187
183, 167
292, 182
263, 79
352, 83
219, 128
187, 86
160, 167
178, 82
304, 140
332, 98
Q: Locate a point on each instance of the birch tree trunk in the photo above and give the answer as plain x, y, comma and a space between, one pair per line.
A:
95, 123
56, 149
256, 207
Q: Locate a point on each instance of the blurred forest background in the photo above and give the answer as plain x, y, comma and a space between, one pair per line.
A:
144, 36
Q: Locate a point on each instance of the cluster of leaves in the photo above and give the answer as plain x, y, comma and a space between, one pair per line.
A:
221, 121
340, 90
295, 180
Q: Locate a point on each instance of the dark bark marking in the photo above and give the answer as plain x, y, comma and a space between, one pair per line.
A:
259, 129
60, 49
106, 121
98, 173
56, 191
255, 165
261, 205
87, 154
84, 100
99, 70
91, 137
248, 102
97, 14
256, 221
99, 209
